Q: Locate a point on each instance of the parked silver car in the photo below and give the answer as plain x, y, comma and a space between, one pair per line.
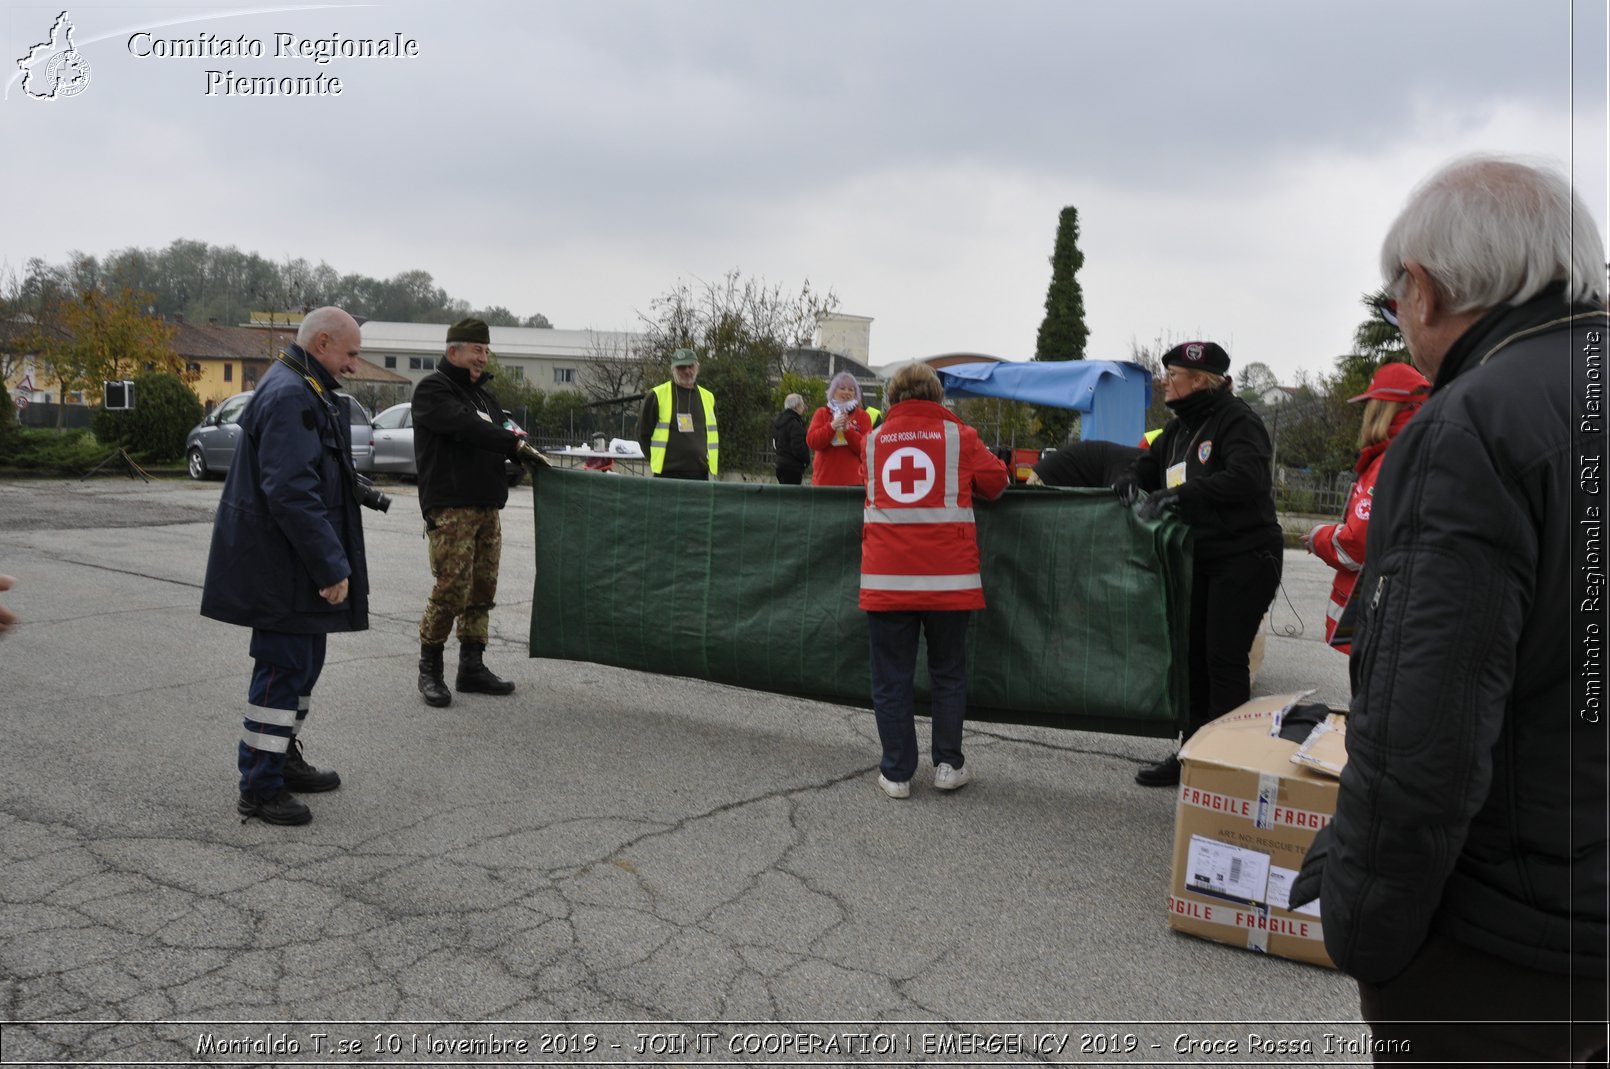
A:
210, 446
394, 445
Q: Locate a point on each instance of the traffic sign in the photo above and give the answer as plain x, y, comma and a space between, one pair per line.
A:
22, 401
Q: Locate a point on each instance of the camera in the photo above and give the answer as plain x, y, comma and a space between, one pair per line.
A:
369, 495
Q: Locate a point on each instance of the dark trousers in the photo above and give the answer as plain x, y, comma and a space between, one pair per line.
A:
285, 669
894, 665
790, 478
1465, 991
1229, 596
692, 476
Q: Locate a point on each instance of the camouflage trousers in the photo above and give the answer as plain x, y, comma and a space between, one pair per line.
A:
466, 544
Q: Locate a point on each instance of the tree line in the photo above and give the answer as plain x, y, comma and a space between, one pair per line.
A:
201, 282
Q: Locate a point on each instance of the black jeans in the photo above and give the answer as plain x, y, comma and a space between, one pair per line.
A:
1228, 598
894, 662
1464, 990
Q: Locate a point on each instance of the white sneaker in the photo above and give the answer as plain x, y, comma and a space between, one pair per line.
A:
950, 779
893, 789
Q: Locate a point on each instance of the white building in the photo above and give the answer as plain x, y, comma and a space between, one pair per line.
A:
548, 359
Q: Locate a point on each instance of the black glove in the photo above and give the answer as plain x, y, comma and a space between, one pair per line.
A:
1157, 504
1305, 888
1126, 488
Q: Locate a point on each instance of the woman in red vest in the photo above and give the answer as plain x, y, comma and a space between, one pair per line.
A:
837, 433
1396, 393
919, 570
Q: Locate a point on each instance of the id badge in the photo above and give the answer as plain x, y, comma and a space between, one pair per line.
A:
684, 422
1175, 476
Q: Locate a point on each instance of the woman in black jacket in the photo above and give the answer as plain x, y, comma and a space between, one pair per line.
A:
1211, 465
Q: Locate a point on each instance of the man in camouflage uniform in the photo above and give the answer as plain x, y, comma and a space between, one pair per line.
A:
460, 444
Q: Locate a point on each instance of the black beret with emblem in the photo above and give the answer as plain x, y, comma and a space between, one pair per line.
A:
1201, 355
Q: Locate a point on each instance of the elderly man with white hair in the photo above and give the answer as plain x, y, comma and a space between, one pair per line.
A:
1463, 879
287, 557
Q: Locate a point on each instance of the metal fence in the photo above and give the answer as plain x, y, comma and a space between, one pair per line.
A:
1310, 493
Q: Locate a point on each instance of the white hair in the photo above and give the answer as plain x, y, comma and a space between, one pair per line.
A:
327, 320
795, 402
1493, 230
844, 378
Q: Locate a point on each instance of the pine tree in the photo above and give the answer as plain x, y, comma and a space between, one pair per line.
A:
1062, 331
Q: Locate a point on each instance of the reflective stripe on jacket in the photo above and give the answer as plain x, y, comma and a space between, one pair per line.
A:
662, 429
919, 550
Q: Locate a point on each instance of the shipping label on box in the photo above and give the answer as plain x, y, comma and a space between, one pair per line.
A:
1244, 819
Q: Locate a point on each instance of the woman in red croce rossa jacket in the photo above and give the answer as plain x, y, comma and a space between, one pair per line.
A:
1395, 394
919, 570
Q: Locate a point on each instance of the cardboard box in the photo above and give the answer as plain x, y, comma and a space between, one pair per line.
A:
1244, 818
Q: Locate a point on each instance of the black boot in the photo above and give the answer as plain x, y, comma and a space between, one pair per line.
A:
302, 777
1166, 773
272, 807
475, 677
431, 683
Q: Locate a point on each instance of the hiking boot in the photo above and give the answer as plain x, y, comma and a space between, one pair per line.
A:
893, 789
272, 807
302, 777
947, 778
1166, 773
475, 677
431, 683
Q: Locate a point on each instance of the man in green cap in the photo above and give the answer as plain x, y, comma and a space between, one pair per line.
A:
461, 440
677, 429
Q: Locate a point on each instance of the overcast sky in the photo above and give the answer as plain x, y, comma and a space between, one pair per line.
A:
1235, 163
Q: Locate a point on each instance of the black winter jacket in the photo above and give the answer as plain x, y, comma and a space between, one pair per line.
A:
788, 440
288, 523
1227, 496
460, 442
1473, 799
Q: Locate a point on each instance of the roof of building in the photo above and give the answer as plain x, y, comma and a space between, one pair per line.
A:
822, 362
506, 341
214, 341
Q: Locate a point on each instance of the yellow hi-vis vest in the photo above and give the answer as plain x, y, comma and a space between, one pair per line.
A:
874, 414
662, 429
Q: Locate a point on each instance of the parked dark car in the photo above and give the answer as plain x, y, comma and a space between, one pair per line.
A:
394, 445
210, 446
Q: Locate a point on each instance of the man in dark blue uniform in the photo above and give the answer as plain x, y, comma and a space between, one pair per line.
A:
287, 556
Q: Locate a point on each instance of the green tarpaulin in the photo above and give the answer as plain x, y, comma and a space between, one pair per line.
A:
756, 585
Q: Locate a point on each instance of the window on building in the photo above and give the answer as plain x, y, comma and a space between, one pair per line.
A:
416, 363
564, 374
229, 372
193, 368
516, 372
391, 362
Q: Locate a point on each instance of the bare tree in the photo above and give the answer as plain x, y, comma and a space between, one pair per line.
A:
614, 367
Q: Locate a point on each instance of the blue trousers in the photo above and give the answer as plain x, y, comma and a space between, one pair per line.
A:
285, 668
894, 664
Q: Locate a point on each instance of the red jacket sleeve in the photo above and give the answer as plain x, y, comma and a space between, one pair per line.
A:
1341, 545
820, 435
989, 474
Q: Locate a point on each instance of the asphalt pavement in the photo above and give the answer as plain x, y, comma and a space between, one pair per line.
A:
606, 867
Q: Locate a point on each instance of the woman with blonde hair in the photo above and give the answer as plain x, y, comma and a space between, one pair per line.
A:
1395, 394
838, 433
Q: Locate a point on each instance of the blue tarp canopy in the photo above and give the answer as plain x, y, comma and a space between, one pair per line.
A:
1112, 395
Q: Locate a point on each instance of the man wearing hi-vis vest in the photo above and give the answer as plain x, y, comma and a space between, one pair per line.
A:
919, 570
677, 429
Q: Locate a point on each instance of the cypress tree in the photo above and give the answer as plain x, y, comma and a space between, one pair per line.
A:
1062, 331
